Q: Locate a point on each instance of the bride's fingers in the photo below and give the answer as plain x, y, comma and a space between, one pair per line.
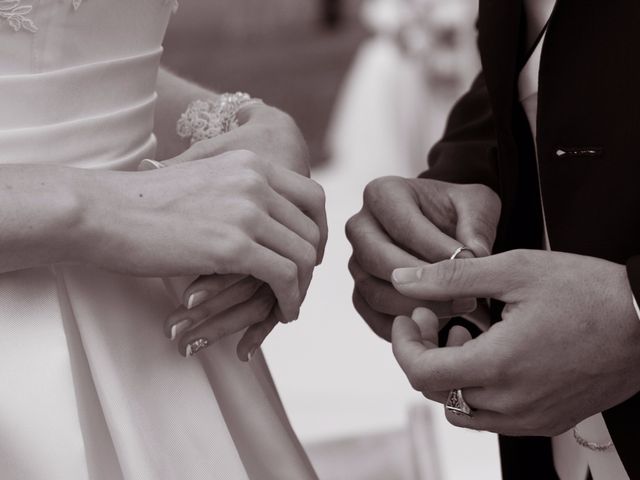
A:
184, 318
255, 335
278, 238
208, 286
229, 322
306, 194
286, 213
277, 271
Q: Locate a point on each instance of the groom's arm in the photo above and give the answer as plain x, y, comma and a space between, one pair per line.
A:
467, 152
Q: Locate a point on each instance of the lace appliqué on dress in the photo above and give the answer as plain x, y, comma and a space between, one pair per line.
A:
15, 14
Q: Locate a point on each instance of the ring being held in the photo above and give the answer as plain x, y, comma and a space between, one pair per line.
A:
459, 250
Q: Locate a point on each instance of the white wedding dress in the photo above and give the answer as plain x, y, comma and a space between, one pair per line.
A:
89, 386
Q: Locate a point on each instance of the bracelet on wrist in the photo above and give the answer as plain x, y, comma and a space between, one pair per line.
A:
205, 119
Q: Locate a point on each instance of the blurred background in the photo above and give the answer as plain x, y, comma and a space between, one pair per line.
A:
370, 83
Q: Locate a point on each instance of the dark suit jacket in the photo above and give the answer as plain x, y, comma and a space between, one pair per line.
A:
589, 158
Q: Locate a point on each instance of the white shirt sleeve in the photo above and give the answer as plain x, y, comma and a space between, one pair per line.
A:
635, 305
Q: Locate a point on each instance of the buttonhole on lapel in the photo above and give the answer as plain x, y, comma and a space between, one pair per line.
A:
584, 152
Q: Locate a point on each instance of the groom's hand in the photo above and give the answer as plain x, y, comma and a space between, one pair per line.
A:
568, 346
412, 222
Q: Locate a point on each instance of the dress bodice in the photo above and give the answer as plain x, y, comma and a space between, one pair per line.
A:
78, 80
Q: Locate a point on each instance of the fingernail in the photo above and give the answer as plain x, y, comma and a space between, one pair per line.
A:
464, 305
196, 299
407, 275
252, 353
179, 327
197, 345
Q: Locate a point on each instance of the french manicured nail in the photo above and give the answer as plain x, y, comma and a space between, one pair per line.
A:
464, 305
252, 353
196, 299
179, 327
407, 275
196, 346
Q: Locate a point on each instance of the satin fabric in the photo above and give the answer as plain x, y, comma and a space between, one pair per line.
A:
571, 460
89, 386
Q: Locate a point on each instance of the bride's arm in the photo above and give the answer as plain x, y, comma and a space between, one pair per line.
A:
174, 94
234, 213
41, 215
265, 130
275, 138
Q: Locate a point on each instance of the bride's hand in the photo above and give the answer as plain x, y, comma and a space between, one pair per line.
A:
275, 137
221, 305
234, 213
272, 135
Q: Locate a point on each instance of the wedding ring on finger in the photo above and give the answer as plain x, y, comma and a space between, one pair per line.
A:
148, 164
457, 405
459, 250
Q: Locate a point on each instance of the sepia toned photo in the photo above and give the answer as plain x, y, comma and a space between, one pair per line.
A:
319, 240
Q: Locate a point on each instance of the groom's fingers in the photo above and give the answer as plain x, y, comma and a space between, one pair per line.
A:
382, 297
396, 207
458, 336
378, 322
373, 250
488, 277
478, 212
433, 369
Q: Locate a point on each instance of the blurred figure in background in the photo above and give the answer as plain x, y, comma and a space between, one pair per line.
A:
395, 100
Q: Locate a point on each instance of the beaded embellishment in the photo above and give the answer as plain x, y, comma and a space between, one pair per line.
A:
209, 118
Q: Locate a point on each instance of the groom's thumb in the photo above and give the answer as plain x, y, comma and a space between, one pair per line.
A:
478, 211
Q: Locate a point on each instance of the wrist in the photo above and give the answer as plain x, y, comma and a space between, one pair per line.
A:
58, 211
280, 134
100, 200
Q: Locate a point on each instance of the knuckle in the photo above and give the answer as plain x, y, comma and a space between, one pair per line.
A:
251, 182
315, 236
290, 273
377, 188
309, 256
248, 159
351, 228
317, 193
353, 269
230, 247
375, 297
249, 217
